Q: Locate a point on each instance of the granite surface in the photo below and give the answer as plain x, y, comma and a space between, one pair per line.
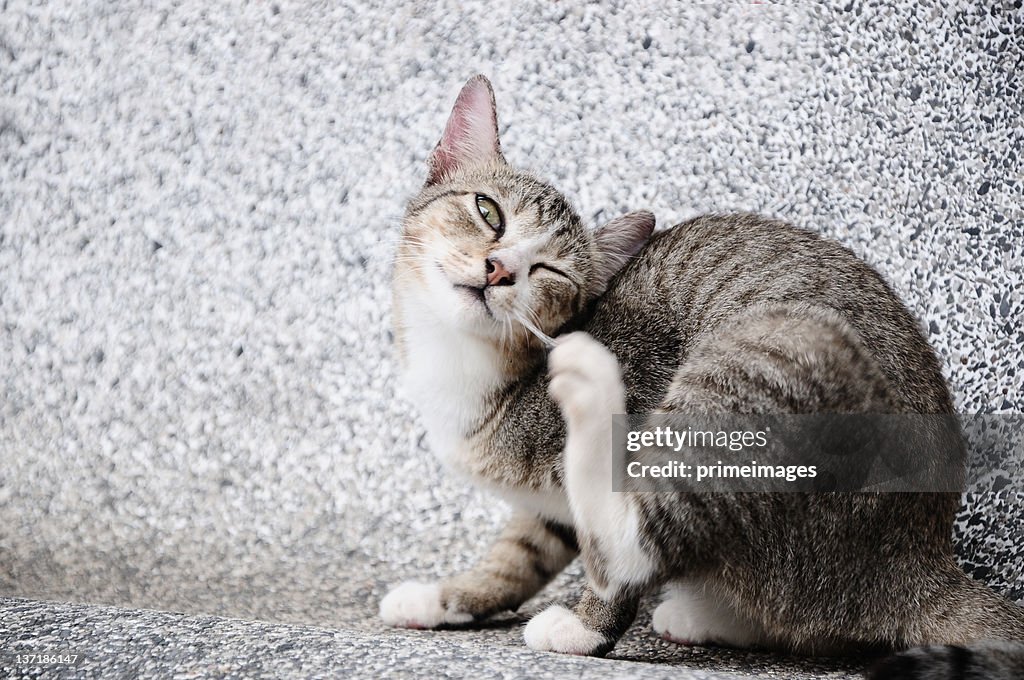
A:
198, 203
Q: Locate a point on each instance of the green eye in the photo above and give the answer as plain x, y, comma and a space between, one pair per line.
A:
489, 211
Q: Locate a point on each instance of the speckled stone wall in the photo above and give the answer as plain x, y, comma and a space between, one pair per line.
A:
198, 202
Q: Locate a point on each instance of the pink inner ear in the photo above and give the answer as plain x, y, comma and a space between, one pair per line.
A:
471, 135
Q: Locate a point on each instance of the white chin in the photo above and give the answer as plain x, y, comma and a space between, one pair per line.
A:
467, 312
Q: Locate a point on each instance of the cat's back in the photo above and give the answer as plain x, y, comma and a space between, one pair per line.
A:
693, 277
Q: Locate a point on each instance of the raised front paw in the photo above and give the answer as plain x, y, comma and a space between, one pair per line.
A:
419, 605
585, 379
557, 629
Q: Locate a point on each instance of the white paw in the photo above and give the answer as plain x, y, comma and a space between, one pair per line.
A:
418, 605
674, 621
556, 629
585, 379
691, 621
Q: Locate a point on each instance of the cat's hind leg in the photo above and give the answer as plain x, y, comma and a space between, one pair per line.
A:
587, 385
690, 614
783, 358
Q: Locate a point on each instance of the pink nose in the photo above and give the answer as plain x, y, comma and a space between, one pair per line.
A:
497, 275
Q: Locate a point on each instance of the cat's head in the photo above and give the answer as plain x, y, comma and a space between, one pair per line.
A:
492, 250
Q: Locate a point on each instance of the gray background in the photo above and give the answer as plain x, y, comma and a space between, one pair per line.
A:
198, 202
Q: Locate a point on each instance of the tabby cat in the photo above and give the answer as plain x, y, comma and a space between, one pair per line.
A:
722, 313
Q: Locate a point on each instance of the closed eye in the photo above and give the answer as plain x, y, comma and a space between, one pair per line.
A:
553, 270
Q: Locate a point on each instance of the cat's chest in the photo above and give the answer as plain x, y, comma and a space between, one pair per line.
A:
450, 397
453, 395
468, 458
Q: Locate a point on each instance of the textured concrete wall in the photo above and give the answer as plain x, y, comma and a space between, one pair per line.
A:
198, 202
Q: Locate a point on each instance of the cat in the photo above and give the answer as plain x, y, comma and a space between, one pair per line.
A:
719, 314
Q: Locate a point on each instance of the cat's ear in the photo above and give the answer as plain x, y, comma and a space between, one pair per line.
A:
618, 241
471, 135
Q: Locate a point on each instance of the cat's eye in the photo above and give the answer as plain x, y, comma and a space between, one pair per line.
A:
488, 210
553, 270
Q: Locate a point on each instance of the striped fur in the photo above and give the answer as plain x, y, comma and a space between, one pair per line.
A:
988, 660
719, 314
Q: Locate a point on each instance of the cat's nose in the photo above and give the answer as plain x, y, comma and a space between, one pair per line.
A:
497, 275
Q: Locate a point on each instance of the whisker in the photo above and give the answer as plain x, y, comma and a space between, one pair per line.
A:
529, 325
506, 335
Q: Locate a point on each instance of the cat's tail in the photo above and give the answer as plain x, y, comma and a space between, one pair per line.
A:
993, 625
984, 660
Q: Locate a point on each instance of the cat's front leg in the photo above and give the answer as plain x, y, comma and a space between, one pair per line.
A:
587, 385
591, 628
528, 554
